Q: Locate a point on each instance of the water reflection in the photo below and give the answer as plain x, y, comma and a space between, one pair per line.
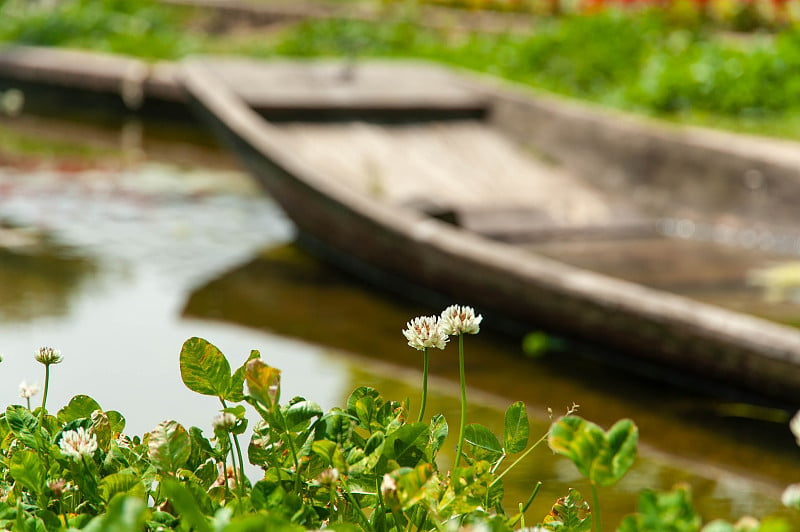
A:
40, 283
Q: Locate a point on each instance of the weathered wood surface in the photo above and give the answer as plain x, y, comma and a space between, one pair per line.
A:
340, 221
344, 85
448, 166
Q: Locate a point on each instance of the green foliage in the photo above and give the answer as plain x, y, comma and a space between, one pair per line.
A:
644, 61
137, 27
663, 512
569, 514
601, 457
169, 447
516, 429
204, 369
362, 467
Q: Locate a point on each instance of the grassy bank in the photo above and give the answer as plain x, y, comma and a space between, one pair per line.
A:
647, 62
642, 63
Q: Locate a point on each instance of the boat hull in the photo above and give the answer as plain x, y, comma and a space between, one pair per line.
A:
403, 247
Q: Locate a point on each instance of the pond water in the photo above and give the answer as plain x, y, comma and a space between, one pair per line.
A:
120, 242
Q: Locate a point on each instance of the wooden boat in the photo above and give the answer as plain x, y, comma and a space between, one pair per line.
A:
586, 223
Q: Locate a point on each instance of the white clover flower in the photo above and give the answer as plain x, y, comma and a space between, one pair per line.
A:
388, 486
123, 441
224, 421
328, 477
794, 426
78, 443
424, 332
26, 391
48, 355
460, 320
791, 496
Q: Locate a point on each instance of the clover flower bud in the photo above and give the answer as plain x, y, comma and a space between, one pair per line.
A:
225, 421
424, 332
388, 486
26, 391
48, 355
460, 320
328, 477
791, 496
57, 487
78, 443
794, 426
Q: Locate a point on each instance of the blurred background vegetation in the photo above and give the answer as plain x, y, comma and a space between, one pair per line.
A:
722, 63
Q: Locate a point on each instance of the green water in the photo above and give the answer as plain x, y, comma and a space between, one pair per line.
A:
145, 239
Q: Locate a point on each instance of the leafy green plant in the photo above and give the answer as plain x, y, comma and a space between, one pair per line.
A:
601, 457
137, 27
361, 466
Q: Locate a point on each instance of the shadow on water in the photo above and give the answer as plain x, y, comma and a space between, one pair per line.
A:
40, 284
709, 441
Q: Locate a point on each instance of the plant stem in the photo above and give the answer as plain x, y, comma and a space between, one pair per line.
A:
240, 480
424, 384
237, 475
520, 458
421, 525
524, 507
44, 393
292, 449
598, 525
332, 501
463, 398
360, 512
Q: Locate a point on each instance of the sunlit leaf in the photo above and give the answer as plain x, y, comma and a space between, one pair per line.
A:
772, 523
78, 407
439, 431
169, 446
207, 472
406, 445
570, 514
335, 425
201, 448
124, 514
412, 484
263, 382
259, 522
204, 369
485, 445
601, 457
126, 481
101, 428
357, 394
185, 503
23, 424
366, 411
668, 510
116, 420
27, 468
516, 429
235, 392
299, 415
331, 454
618, 455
